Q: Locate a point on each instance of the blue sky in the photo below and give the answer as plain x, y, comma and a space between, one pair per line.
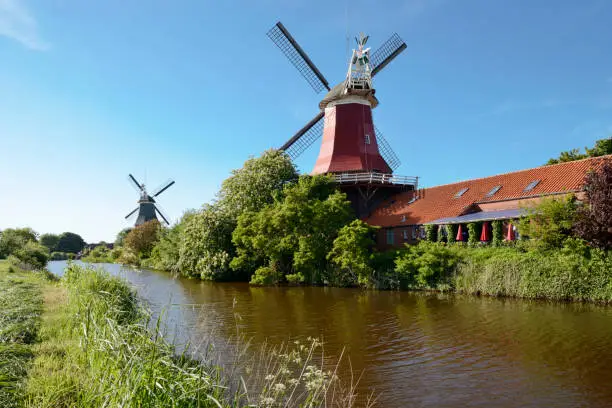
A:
93, 90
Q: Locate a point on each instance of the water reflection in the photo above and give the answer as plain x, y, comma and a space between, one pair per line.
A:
416, 350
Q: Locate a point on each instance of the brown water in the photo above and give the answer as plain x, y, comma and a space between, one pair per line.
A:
415, 350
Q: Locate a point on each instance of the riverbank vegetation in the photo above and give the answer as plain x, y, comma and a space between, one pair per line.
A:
270, 226
87, 340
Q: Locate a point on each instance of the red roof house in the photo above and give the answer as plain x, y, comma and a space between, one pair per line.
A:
483, 199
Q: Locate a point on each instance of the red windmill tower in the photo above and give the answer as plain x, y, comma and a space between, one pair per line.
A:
352, 150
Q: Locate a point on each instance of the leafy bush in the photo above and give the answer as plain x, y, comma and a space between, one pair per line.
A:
206, 248
13, 239
351, 254
33, 255
473, 236
498, 233
431, 232
594, 218
550, 222
265, 276
142, 238
426, 265
451, 233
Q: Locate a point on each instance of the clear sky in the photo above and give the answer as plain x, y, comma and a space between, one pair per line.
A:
93, 90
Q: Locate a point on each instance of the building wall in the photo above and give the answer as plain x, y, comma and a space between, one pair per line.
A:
396, 237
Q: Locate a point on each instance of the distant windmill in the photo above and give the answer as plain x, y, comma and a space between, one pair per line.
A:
352, 149
147, 206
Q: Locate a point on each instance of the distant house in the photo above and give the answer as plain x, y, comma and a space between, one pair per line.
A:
500, 197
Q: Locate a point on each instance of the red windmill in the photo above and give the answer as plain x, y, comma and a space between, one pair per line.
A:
352, 150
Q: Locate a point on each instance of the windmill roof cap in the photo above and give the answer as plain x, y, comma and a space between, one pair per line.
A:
338, 92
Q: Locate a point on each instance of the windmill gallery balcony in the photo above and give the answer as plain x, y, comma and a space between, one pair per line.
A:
376, 178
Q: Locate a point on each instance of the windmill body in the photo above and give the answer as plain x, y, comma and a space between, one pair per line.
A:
352, 149
148, 208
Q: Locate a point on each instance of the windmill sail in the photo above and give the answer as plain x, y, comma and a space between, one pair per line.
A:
386, 151
296, 55
386, 53
305, 137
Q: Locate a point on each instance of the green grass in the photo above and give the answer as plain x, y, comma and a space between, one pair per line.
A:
21, 305
97, 347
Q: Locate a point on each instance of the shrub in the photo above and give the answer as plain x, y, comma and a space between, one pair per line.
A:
431, 233
472, 233
426, 265
265, 276
33, 254
451, 233
498, 233
594, 218
142, 238
351, 254
550, 222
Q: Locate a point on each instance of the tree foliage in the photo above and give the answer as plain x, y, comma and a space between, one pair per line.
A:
594, 220
142, 238
70, 242
121, 236
550, 221
426, 265
33, 255
50, 241
166, 253
254, 185
602, 147
12, 239
205, 248
294, 234
351, 254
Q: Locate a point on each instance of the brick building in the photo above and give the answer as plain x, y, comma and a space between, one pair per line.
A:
500, 197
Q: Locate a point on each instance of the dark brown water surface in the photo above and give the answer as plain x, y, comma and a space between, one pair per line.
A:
414, 350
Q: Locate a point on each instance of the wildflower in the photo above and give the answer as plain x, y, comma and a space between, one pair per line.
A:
269, 377
279, 388
267, 402
293, 382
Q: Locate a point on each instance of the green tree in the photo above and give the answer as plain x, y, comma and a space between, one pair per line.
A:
550, 221
602, 147
293, 235
121, 236
472, 233
254, 185
50, 241
12, 239
351, 254
206, 248
70, 242
166, 253
431, 232
594, 217
142, 238
451, 233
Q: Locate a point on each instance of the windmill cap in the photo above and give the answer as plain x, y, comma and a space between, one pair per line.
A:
338, 92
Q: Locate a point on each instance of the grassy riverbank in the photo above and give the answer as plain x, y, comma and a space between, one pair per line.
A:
574, 272
87, 341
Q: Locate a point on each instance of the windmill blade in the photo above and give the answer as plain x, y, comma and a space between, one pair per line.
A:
161, 214
305, 137
135, 183
163, 187
132, 213
386, 53
296, 55
386, 151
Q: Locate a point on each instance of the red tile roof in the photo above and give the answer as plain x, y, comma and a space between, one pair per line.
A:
439, 202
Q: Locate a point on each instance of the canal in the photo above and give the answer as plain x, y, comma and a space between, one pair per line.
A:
414, 350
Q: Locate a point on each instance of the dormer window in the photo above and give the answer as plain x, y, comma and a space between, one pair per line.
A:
367, 139
493, 191
461, 192
403, 218
532, 185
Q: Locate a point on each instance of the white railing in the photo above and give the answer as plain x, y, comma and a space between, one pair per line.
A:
375, 178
